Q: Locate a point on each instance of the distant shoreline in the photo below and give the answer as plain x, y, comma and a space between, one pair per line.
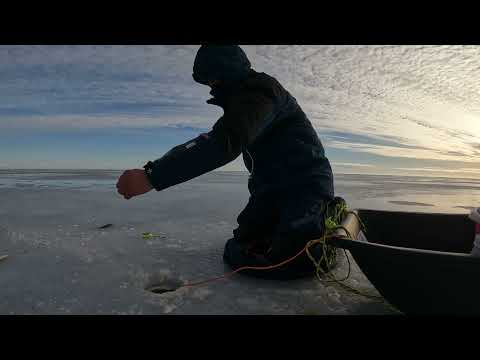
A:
52, 170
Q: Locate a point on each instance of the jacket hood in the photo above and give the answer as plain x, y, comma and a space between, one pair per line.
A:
227, 63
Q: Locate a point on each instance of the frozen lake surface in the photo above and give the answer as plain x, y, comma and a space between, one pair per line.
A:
61, 263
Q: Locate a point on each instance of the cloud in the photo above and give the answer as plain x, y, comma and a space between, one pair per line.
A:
376, 90
398, 152
386, 140
352, 164
438, 169
411, 102
95, 80
118, 123
472, 173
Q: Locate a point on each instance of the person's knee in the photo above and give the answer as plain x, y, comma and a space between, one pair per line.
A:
235, 254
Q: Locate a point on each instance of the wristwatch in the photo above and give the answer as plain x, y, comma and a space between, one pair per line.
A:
149, 170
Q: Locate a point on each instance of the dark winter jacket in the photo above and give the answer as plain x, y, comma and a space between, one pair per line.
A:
264, 123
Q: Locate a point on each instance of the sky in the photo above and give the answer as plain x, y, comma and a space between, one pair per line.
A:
402, 110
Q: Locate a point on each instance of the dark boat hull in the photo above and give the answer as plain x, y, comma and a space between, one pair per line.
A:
418, 262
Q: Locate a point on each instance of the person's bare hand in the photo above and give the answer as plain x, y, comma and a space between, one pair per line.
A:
133, 183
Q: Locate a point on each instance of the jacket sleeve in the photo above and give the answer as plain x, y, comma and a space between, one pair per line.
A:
196, 157
246, 117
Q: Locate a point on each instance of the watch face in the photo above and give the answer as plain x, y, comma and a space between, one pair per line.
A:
148, 167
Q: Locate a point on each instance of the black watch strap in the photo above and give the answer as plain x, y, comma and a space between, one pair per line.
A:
149, 170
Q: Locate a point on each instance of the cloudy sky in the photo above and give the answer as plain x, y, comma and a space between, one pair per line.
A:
411, 110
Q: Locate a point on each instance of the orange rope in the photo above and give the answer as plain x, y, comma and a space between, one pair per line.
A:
270, 267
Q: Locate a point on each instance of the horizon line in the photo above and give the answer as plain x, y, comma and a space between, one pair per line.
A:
238, 171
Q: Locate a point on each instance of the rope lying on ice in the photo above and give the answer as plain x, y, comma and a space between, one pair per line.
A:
328, 255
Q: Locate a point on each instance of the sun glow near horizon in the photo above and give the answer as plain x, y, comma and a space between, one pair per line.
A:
410, 109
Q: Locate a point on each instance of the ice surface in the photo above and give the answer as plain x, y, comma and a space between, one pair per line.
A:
60, 262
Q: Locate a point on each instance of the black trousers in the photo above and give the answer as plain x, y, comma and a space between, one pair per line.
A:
273, 228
